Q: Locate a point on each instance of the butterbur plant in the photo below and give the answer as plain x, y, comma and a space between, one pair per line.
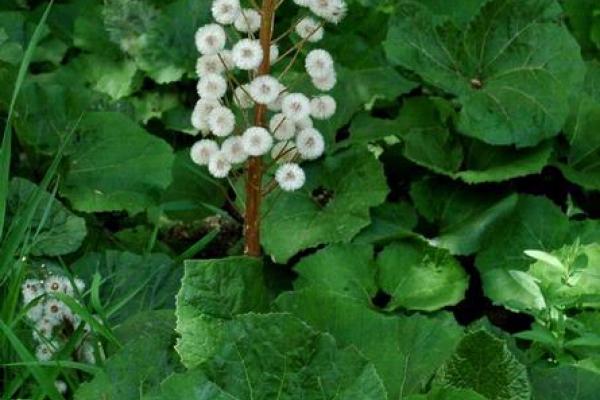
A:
253, 118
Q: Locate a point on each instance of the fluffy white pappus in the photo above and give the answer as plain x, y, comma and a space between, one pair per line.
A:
43, 330
210, 39
61, 386
281, 127
330, 10
219, 166
233, 149
273, 54
248, 21
257, 141
242, 97
214, 63
302, 3
54, 309
79, 284
322, 107
203, 150
290, 177
54, 284
225, 11
221, 121
212, 87
284, 151
30, 289
326, 83
265, 89
87, 353
295, 106
304, 123
247, 54
319, 63
202, 109
36, 312
45, 351
310, 144
310, 30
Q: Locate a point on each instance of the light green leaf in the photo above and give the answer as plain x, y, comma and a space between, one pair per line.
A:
137, 368
484, 364
112, 77
514, 289
56, 230
332, 207
348, 270
448, 394
212, 292
405, 350
116, 166
389, 221
462, 214
419, 277
272, 356
512, 68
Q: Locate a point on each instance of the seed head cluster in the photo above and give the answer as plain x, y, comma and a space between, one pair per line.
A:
230, 86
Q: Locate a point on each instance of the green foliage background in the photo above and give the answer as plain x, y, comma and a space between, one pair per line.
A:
446, 247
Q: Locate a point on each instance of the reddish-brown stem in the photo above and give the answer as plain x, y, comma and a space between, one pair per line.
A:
255, 167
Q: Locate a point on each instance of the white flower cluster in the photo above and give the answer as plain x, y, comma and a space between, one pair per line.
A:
290, 135
53, 322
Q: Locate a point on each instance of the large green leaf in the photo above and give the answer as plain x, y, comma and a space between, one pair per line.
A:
419, 277
332, 207
462, 215
131, 282
405, 350
212, 292
138, 367
116, 165
448, 394
582, 165
484, 364
512, 68
389, 221
345, 269
278, 356
514, 289
56, 230
565, 383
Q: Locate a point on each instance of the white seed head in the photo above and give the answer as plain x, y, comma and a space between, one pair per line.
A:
219, 166
54, 309
87, 353
53, 284
284, 151
330, 10
45, 351
257, 141
210, 39
221, 121
60, 386
319, 63
80, 285
203, 150
43, 330
295, 106
225, 11
209, 64
290, 177
247, 21
310, 30
265, 89
36, 313
233, 149
281, 127
304, 123
310, 144
302, 3
31, 289
326, 83
273, 53
322, 107
242, 98
212, 87
247, 54
201, 111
